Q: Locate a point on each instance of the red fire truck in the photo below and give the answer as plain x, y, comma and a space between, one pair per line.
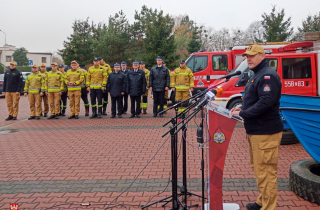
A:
297, 69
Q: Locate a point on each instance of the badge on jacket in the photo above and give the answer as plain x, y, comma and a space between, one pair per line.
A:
266, 88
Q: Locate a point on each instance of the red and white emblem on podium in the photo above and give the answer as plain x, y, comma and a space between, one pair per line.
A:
14, 206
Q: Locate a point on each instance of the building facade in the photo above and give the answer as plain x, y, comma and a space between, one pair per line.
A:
37, 58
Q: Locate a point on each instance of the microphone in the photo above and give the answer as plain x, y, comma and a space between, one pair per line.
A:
217, 92
209, 95
228, 76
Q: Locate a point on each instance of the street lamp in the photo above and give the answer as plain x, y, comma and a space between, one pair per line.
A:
5, 48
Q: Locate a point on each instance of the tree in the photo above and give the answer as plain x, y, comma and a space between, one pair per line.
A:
79, 45
183, 33
276, 28
156, 28
20, 56
114, 39
194, 44
254, 33
311, 24
238, 37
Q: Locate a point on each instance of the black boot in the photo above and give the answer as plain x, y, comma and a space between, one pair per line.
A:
104, 109
63, 112
60, 113
38, 118
51, 117
94, 112
253, 206
99, 112
76, 117
31, 118
71, 117
57, 116
144, 111
87, 110
45, 115
9, 118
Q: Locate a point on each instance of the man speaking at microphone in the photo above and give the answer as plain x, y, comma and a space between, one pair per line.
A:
263, 125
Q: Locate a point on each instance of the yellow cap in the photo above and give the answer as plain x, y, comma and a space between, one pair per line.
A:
14, 63
74, 62
253, 50
34, 66
54, 63
43, 65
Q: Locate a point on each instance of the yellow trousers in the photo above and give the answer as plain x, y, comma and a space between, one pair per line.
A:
263, 150
12, 100
45, 104
34, 101
181, 96
54, 101
74, 99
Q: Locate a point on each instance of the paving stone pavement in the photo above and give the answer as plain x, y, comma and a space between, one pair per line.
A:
59, 164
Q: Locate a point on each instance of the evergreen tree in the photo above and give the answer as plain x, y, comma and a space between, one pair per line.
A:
311, 24
79, 45
158, 37
194, 44
277, 29
20, 56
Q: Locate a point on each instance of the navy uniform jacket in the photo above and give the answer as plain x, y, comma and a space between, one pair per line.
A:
261, 101
136, 83
117, 83
159, 78
12, 81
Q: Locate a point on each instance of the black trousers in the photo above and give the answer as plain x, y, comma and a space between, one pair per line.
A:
158, 97
135, 105
94, 95
84, 96
105, 97
118, 101
125, 103
63, 101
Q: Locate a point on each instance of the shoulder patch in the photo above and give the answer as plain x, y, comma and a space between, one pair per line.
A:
266, 77
266, 88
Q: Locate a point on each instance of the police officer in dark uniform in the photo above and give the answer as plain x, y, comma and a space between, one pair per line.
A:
12, 84
260, 111
159, 82
116, 86
125, 96
136, 87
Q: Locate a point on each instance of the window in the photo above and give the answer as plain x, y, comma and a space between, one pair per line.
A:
273, 62
197, 63
44, 60
220, 62
296, 68
8, 58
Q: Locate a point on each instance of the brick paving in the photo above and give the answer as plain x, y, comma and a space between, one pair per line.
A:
64, 163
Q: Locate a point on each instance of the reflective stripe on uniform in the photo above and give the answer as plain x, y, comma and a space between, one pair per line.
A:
74, 87
182, 87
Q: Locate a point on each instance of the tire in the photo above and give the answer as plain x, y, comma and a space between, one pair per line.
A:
304, 179
173, 97
288, 137
235, 103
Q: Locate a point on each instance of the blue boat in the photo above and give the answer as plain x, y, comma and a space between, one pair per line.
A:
305, 123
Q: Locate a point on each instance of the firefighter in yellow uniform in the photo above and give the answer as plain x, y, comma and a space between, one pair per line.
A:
96, 83
182, 81
74, 78
54, 84
84, 92
43, 72
144, 104
35, 87
64, 96
105, 93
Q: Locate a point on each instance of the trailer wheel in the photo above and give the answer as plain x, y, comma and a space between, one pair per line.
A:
288, 137
235, 103
304, 179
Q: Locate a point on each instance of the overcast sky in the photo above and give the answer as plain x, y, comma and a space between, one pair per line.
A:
42, 25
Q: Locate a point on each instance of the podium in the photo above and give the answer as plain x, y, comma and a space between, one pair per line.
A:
220, 129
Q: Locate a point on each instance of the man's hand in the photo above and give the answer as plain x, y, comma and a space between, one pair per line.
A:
3, 93
102, 88
70, 83
25, 94
17, 93
173, 89
166, 88
122, 93
60, 93
150, 88
46, 93
41, 94
88, 89
235, 111
191, 89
